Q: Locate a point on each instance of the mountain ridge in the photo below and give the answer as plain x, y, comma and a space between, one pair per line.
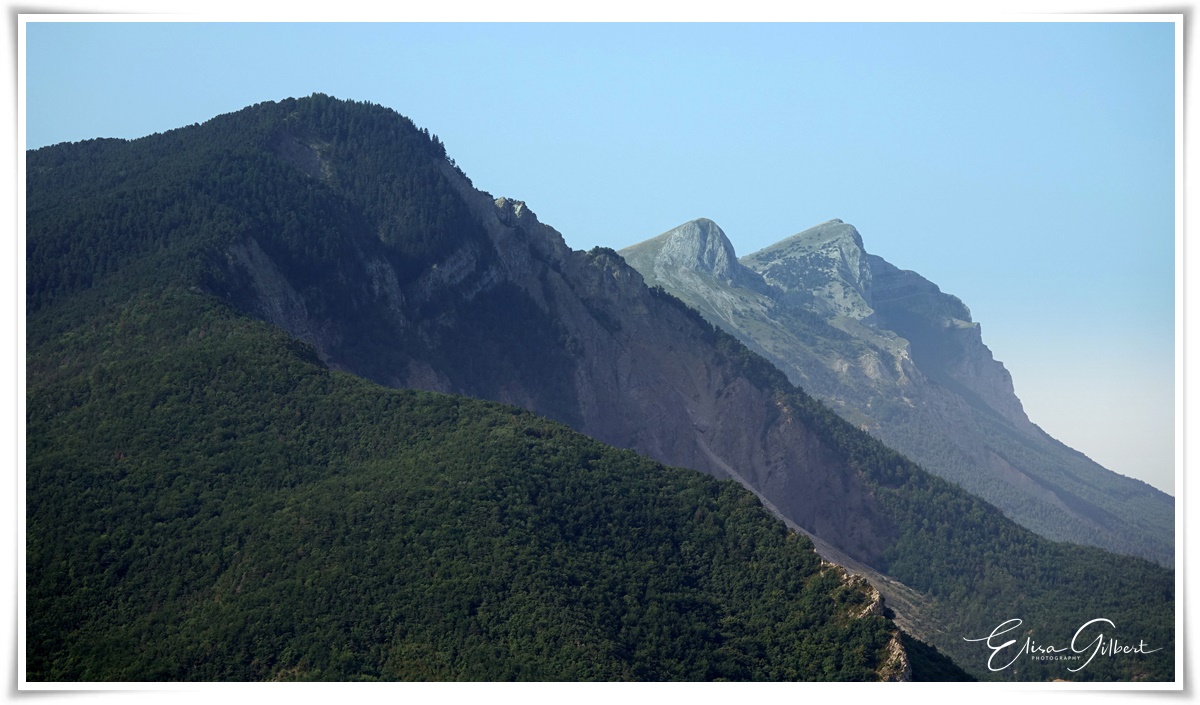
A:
489, 303
894, 354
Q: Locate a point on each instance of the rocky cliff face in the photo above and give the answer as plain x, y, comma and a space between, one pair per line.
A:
947, 344
824, 267
697, 256
609, 356
698, 246
895, 355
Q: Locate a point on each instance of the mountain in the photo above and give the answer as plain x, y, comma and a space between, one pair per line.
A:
893, 354
350, 229
209, 502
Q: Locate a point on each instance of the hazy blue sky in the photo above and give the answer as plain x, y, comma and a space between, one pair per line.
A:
1026, 168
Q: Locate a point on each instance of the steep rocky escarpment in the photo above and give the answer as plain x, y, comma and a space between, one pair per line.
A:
946, 344
647, 377
579, 337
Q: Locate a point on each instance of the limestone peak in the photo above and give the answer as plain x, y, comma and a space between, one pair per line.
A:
700, 245
695, 246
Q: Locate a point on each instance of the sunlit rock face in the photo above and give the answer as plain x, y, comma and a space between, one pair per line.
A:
895, 355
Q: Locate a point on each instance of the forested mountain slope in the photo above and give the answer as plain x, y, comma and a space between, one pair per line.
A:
350, 229
208, 502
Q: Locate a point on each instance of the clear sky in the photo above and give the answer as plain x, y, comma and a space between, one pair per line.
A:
1027, 168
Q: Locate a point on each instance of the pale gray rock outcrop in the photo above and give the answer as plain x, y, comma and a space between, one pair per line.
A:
825, 267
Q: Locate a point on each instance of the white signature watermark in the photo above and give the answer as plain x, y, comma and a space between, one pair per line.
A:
1088, 643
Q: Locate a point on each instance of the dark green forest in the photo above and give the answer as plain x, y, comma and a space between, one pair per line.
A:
206, 500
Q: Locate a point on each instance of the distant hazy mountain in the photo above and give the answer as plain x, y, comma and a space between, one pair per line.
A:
350, 230
892, 353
